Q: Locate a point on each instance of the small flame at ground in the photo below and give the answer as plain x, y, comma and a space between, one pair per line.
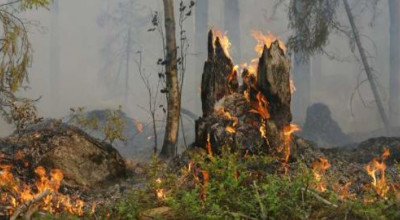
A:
209, 148
139, 126
22, 193
375, 166
319, 168
287, 133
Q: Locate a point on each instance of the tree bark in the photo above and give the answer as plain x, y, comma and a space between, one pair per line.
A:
172, 83
394, 99
367, 68
232, 25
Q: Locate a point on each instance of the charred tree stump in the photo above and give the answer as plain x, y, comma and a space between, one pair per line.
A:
253, 116
218, 78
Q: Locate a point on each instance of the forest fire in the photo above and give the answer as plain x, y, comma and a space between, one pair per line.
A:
45, 187
319, 168
253, 91
375, 166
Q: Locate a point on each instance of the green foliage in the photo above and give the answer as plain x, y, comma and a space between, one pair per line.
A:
15, 52
112, 128
30, 4
241, 188
312, 21
23, 113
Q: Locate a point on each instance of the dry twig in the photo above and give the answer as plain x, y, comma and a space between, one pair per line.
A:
20, 209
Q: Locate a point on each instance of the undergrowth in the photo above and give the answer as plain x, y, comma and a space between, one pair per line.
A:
231, 186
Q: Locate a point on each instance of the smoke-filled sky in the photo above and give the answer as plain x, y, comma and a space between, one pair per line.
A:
93, 76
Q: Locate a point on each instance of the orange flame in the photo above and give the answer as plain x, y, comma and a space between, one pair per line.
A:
265, 39
319, 168
139, 126
160, 192
263, 130
378, 164
260, 106
230, 129
287, 133
209, 148
224, 40
22, 193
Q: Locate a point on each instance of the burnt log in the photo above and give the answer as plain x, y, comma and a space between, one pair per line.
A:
84, 161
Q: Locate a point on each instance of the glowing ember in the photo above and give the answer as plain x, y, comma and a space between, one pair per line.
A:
265, 39
230, 129
319, 168
263, 130
224, 40
139, 126
378, 165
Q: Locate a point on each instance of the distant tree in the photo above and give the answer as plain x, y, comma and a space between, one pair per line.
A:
394, 87
316, 21
15, 55
121, 19
54, 50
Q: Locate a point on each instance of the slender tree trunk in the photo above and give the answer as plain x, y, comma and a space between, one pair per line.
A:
232, 25
54, 52
367, 68
394, 99
201, 25
302, 79
128, 60
172, 83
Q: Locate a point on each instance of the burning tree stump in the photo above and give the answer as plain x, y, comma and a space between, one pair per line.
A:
83, 160
255, 116
219, 77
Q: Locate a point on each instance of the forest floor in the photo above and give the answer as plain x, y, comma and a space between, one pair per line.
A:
361, 181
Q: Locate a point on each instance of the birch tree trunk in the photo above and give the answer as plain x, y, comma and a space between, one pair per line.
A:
54, 52
367, 68
172, 83
394, 99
